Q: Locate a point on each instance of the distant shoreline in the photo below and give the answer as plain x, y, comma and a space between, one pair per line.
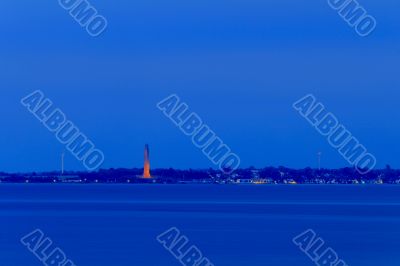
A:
190, 184
249, 176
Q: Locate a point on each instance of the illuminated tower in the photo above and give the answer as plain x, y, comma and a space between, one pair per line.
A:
146, 171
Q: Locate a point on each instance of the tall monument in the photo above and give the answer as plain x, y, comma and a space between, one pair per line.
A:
146, 171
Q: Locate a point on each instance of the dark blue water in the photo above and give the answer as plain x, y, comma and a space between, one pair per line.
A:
112, 225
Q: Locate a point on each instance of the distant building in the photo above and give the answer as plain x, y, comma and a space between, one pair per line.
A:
70, 179
244, 181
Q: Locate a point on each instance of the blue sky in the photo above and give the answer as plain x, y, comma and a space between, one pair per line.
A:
239, 64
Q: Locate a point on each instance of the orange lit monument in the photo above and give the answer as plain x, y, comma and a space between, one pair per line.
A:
146, 171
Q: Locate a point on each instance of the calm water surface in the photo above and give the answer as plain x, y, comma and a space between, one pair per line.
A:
117, 225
